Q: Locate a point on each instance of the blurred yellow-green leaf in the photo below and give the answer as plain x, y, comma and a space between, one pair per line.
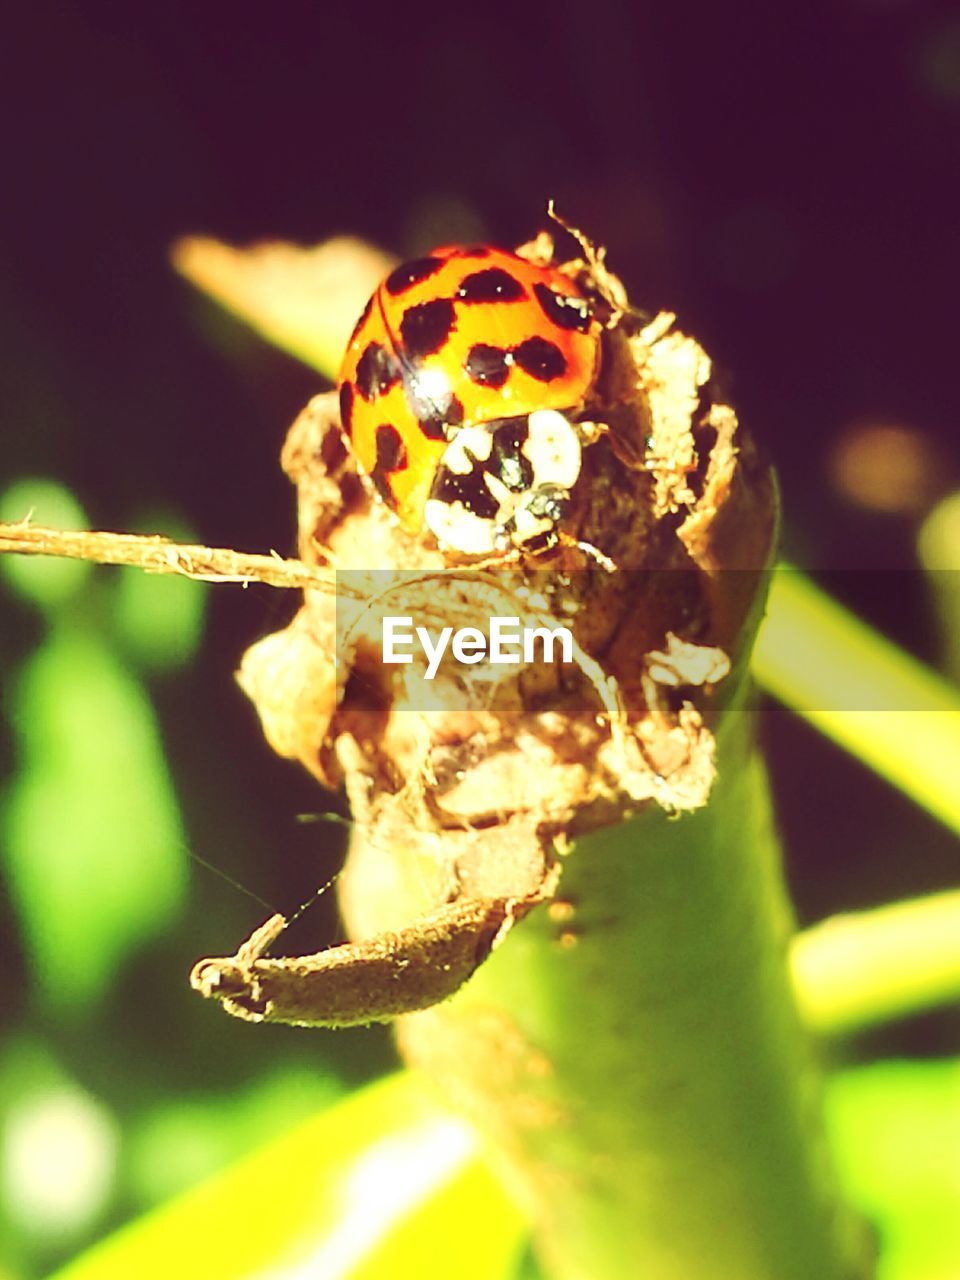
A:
870, 697
385, 1184
938, 547
304, 300
187, 1138
869, 967
896, 1133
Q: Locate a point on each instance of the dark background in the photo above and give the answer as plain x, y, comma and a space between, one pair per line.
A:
784, 177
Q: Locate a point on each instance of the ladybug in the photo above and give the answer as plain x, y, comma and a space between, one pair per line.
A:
459, 393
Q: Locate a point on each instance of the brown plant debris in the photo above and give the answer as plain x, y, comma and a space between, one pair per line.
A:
360, 983
471, 794
467, 787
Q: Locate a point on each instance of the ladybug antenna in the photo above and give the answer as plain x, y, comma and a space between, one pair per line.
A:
590, 550
592, 255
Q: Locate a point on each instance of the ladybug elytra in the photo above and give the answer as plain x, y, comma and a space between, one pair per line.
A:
458, 394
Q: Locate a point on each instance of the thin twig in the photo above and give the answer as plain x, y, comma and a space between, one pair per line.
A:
156, 554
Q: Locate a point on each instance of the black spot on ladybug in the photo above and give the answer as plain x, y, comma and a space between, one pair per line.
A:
489, 366
377, 371
431, 401
473, 251
507, 463
425, 328
363, 319
470, 489
391, 451
439, 425
391, 457
434, 428
454, 415
563, 311
346, 407
541, 359
411, 273
492, 285
436, 410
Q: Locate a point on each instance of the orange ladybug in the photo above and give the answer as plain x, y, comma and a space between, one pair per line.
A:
459, 393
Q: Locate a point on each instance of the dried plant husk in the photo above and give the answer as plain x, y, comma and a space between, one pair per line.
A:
481, 787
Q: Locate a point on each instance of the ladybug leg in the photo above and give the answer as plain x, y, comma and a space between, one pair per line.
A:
590, 550
534, 524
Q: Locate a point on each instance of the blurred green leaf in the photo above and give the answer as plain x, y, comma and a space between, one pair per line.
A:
58, 1150
187, 1139
384, 1184
159, 618
896, 1134
869, 967
47, 583
90, 826
938, 547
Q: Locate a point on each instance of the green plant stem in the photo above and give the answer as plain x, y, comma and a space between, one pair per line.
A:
857, 970
641, 1068
890, 711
